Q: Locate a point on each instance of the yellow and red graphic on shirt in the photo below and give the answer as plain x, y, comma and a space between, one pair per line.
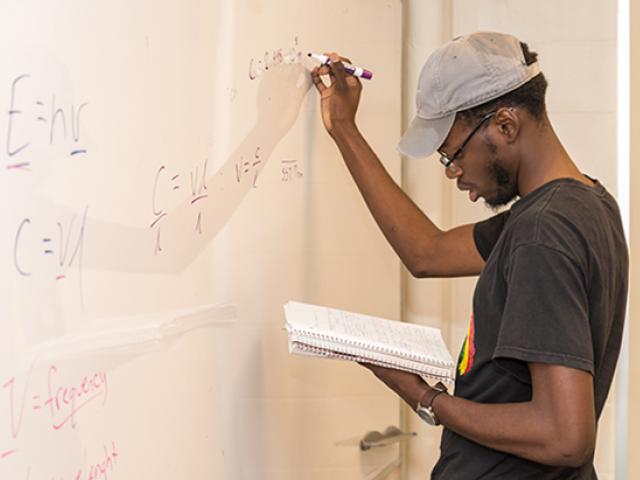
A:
465, 362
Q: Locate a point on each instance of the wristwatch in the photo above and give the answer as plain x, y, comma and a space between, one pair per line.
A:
426, 412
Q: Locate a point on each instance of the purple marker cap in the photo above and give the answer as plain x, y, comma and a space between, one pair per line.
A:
367, 74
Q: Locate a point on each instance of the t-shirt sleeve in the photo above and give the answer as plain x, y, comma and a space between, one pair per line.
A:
486, 233
546, 314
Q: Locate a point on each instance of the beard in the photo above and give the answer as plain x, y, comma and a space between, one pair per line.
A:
506, 187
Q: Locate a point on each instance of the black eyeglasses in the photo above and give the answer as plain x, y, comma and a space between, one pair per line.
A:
446, 160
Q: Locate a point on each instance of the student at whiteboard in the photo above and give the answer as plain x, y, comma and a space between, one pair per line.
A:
548, 309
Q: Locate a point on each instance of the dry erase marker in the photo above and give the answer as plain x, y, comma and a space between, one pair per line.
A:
351, 69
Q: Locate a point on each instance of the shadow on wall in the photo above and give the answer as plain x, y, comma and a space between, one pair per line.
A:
120, 248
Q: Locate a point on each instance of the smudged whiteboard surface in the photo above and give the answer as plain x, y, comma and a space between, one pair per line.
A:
167, 186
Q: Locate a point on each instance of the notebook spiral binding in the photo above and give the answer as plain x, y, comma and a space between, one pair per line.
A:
365, 346
423, 370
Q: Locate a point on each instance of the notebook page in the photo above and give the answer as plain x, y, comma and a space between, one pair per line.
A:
407, 340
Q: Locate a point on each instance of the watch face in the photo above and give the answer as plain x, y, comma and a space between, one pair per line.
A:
426, 415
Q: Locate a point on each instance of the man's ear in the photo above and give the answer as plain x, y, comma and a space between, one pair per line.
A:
508, 123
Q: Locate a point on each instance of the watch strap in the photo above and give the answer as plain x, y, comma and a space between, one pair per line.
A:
428, 407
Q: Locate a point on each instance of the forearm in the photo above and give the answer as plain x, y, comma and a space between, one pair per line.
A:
516, 428
404, 225
522, 429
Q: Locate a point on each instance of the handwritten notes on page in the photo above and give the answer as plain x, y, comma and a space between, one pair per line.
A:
331, 333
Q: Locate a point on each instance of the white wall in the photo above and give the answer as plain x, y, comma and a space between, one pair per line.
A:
428, 302
633, 463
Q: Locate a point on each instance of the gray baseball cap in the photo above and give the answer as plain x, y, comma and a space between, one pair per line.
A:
463, 73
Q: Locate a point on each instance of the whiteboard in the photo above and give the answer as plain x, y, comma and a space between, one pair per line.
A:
167, 187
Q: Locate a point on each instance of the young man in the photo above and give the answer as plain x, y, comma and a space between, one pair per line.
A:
549, 305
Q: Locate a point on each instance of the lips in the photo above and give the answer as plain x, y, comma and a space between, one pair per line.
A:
473, 195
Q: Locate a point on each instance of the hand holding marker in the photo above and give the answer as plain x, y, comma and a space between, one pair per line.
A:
351, 69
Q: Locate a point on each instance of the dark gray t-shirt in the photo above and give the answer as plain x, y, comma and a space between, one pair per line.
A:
553, 290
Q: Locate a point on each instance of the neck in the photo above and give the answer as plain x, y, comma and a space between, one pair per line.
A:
544, 159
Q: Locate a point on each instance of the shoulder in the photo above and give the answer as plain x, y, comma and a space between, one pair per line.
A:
565, 215
487, 232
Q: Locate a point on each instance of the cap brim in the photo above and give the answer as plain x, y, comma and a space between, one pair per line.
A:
424, 136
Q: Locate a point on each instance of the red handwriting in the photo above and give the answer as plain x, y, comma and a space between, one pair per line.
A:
6, 454
16, 423
63, 401
102, 468
66, 401
95, 471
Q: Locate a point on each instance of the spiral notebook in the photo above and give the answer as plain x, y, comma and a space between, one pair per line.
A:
326, 332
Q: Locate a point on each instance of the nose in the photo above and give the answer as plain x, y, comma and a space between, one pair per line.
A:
452, 171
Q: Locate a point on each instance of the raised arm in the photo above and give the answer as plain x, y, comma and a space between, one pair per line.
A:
425, 250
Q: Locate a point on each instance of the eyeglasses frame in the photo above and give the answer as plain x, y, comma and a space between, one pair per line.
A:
446, 160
